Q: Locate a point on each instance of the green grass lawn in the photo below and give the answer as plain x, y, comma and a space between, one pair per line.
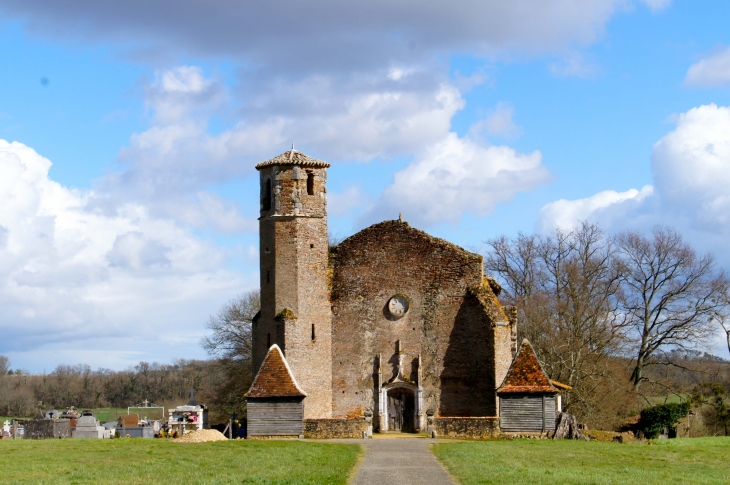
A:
138, 461
697, 460
105, 415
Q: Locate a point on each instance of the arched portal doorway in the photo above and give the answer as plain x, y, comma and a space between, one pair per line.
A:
401, 410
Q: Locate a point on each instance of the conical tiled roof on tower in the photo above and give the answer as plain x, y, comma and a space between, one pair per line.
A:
525, 375
294, 157
275, 378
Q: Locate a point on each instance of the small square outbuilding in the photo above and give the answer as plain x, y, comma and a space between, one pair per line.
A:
275, 401
527, 398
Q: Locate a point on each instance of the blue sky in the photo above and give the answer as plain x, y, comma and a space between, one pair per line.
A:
474, 119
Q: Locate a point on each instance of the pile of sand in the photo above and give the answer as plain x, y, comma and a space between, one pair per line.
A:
202, 436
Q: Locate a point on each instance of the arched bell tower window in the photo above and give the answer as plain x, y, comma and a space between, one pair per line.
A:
310, 183
266, 196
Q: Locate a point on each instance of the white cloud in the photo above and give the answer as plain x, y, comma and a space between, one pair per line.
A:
711, 71
455, 176
574, 65
343, 203
691, 167
691, 171
80, 278
657, 5
606, 206
169, 166
499, 123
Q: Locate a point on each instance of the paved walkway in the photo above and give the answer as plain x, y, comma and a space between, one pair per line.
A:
400, 462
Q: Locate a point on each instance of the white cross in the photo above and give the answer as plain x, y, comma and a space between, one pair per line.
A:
6, 426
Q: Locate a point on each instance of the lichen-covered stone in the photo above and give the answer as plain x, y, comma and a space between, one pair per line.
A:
471, 428
335, 428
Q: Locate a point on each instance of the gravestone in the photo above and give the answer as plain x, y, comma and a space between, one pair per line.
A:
129, 421
6, 430
40, 428
88, 427
129, 426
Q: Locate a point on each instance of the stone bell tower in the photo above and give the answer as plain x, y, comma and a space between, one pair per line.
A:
295, 306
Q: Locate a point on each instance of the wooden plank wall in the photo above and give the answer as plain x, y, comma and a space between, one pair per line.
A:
275, 418
527, 412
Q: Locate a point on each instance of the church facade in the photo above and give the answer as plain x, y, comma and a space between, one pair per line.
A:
390, 330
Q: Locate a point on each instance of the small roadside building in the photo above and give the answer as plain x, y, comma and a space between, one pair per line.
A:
527, 397
275, 402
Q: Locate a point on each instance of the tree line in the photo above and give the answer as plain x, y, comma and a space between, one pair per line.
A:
78, 385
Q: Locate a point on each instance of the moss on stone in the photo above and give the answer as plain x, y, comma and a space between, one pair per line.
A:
286, 314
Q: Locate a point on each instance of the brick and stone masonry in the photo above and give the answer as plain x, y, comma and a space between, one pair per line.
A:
295, 307
390, 311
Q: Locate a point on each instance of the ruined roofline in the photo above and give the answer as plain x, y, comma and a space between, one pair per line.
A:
435, 240
293, 157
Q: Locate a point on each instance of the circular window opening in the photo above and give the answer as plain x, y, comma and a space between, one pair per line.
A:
398, 305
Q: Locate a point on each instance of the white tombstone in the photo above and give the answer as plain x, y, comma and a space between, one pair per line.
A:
6, 428
88, 427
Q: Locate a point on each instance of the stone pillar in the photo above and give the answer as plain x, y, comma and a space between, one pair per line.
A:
383, 409
369, 423
430, 429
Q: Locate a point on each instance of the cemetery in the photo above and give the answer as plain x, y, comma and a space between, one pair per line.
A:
54, 424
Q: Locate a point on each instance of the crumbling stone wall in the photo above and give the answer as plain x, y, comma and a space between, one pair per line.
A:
41, 429
334, 428
471, 428
454, 321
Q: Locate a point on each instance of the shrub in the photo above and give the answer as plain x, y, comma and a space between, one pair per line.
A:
655, 419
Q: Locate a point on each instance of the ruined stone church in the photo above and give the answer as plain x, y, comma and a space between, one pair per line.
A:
391, 330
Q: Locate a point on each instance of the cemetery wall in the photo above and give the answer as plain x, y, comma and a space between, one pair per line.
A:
471, 428
40, 429
335, 428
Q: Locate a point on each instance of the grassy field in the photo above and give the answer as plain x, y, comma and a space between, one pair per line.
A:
697, 460
126, 461
104, 415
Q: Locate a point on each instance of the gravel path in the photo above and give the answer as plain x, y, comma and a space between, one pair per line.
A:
400, 462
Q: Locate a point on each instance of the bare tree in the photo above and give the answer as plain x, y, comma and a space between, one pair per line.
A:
4, 365
671, 295
565, 287
722, 317
231, 328
231, 343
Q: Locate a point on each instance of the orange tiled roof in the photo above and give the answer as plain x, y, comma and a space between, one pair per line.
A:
525, 375
293, 157
274, 378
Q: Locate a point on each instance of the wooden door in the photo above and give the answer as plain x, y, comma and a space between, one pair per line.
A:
401, 410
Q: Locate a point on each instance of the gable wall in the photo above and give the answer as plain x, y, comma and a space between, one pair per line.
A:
445, 323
